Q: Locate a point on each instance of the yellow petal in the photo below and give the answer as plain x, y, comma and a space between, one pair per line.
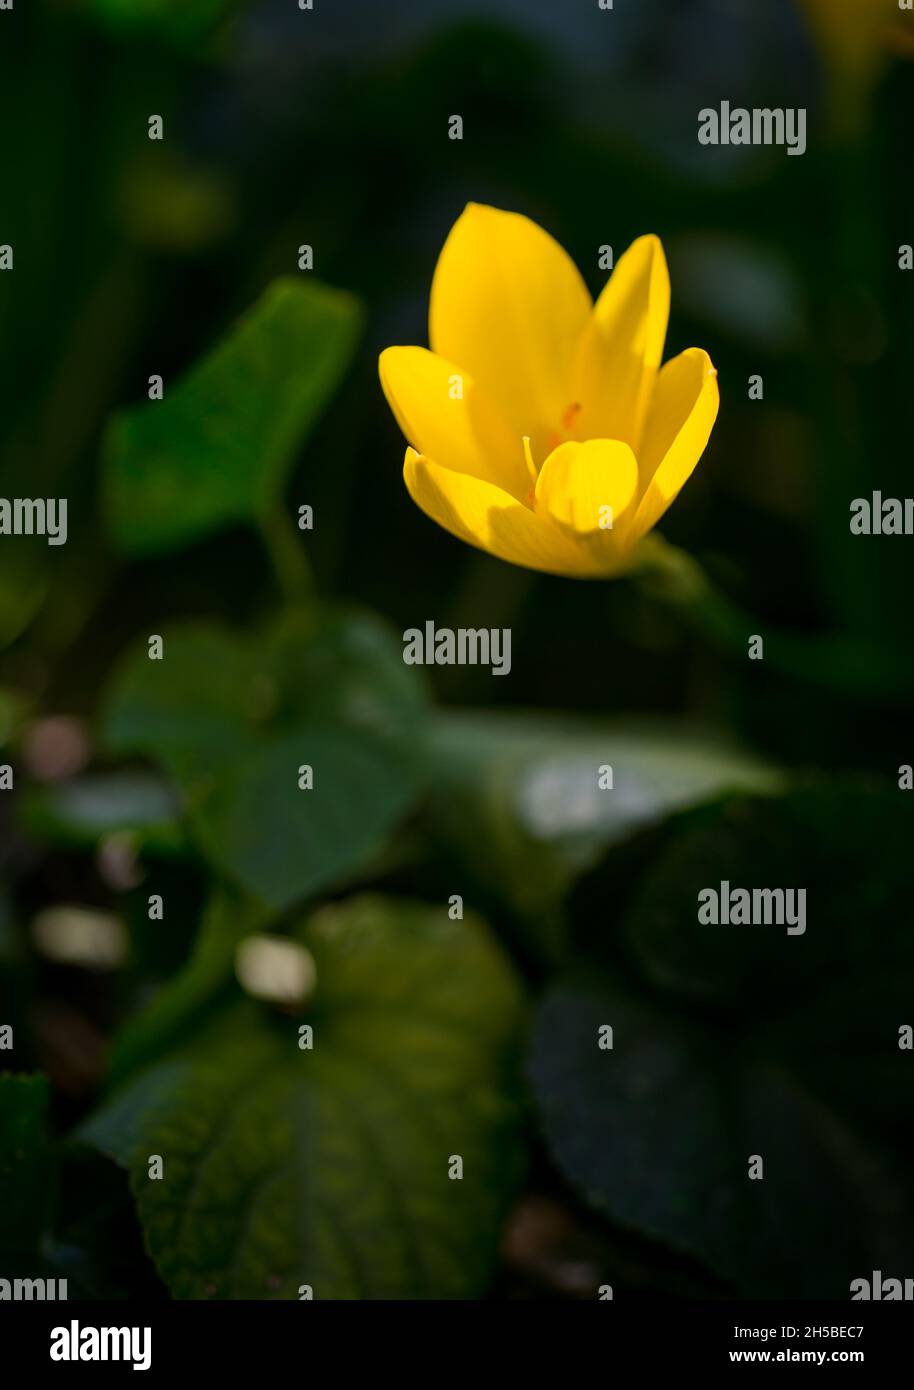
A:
681, 416
445, 416
483, 515
622, 346
509, 304
589, 491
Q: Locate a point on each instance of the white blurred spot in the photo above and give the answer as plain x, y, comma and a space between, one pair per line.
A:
80, 936
275, 969
562, 797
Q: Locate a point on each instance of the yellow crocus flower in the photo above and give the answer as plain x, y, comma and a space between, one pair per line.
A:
543, 428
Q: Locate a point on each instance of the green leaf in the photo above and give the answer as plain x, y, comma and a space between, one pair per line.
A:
736, 1040
200, 703
217, 449
844, 841
658, 1134
520, 794
27, 1167
329, 1166
234, 719
260, 827
347, 666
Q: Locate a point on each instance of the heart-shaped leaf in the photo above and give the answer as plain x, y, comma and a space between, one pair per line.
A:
296, 752
336, 1167
734, 1042
216, 449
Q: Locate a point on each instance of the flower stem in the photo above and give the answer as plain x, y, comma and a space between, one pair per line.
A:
851, 664
290, 562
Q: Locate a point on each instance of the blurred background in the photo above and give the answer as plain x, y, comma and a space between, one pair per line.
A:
135, 257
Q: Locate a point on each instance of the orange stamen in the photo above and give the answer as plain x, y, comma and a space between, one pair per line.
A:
569, 416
